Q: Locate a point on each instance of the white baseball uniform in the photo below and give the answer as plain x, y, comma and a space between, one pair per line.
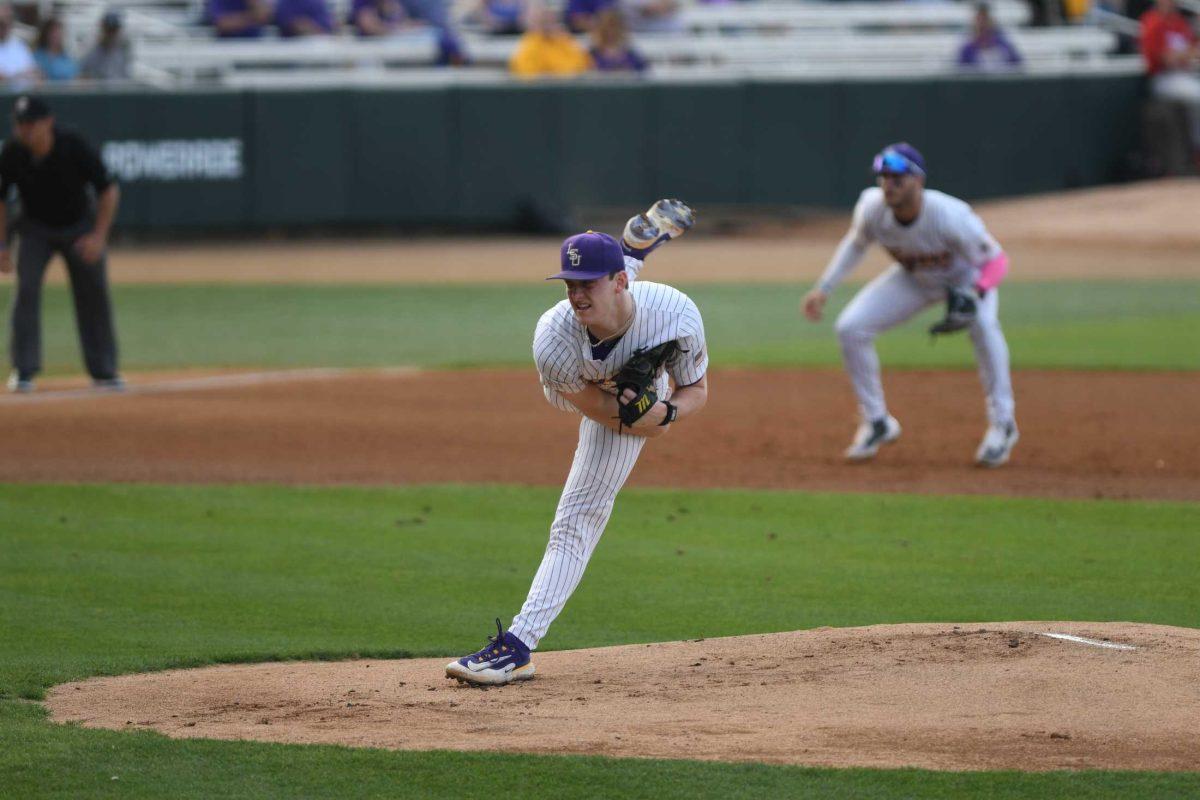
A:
944, 247
603, 457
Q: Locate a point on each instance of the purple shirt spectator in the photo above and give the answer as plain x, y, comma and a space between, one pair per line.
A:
989, 52
391, 16
627, 60
610, 50
987, 49
435, 12
390, 13
303, 18
236, 19
579, 14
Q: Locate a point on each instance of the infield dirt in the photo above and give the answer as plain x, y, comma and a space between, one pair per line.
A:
1084, 434
940, 696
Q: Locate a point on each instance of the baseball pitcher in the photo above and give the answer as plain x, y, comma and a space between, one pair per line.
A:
630, 358
942, 252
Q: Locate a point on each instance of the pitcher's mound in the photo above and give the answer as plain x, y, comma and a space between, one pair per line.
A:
941, 696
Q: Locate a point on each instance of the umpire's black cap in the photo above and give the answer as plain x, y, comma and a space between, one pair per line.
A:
28, 108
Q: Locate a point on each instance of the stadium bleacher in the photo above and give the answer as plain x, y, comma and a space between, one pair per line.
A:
764, 39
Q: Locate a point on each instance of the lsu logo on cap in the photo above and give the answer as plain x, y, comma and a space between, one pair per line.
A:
575, 256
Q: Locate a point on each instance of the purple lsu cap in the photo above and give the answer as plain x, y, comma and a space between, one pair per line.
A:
591, 255
901, 158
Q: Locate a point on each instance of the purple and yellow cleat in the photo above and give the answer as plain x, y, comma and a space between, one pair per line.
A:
665, 220
503, 660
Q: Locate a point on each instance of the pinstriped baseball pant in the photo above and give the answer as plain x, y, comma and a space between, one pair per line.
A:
603, 461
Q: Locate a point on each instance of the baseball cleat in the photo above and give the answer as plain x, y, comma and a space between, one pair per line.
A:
113, 384
664, 221
19, 385
997, 444
673, 217
870, 436
504, 659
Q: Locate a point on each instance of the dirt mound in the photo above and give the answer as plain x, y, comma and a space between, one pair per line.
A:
941, 696
1083, 434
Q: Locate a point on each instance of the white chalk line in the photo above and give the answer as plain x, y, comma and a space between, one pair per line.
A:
1092, 642
207, 382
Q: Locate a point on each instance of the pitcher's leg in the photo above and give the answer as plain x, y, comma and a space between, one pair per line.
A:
603, 461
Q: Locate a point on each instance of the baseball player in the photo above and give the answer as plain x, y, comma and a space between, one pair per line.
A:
942, 252
608, 326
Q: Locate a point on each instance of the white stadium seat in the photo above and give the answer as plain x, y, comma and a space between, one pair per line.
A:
769, 38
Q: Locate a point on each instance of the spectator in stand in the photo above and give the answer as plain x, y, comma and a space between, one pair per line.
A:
239, 19
547, 48
432, 12
51, 54
580, 15
298, 18
611, 51
380, 18
389, 17
108, 60
501, 17
988, 49
436, 13
17, 67
1169, 47
652, 16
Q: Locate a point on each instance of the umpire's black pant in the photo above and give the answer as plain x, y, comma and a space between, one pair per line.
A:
36, 245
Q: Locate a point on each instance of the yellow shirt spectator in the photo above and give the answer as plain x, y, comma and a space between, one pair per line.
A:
555, 53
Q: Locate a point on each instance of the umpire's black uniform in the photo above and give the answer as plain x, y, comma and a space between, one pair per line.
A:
57, 209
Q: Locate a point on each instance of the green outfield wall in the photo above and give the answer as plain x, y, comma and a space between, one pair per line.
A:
483, 155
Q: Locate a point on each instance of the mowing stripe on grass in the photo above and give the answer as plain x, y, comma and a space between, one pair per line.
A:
1083, 324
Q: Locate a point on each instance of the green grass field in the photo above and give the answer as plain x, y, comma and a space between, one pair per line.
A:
112, 579
127, 578
1120, 325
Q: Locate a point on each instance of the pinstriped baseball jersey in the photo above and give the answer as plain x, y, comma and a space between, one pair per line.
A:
944, 246
566, 363
603, 458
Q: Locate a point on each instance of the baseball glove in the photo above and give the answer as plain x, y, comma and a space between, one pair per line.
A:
639, 374
961, 307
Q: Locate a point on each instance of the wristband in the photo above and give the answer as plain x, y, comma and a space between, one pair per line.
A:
672, 413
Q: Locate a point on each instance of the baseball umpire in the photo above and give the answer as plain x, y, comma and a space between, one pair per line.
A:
68, 202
